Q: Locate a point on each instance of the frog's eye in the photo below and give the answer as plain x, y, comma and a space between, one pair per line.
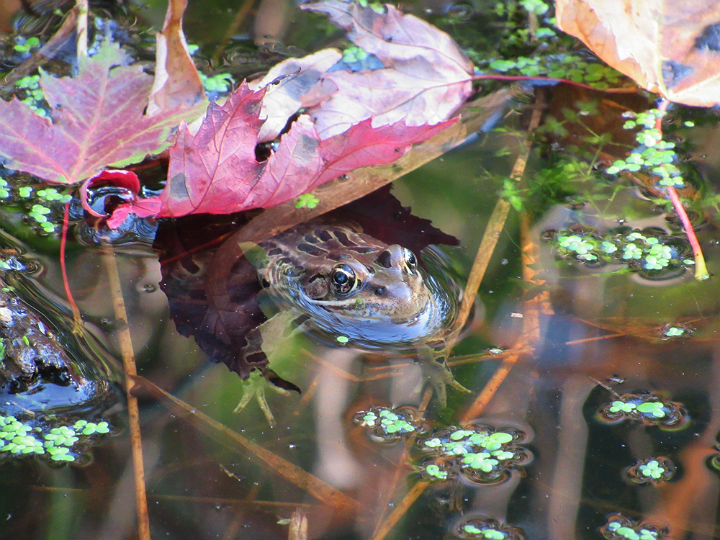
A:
409, 260
343, 279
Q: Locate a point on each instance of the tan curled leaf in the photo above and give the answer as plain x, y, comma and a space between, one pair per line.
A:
671, 48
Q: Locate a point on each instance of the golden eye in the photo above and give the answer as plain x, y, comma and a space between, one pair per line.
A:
343, 279
409, 260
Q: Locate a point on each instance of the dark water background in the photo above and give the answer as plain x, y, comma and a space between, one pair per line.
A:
572, 484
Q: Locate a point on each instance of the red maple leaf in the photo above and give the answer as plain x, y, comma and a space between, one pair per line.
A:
97, 121
215, 171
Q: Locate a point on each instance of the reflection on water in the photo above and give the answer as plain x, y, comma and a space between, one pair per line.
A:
604, 400
605, 426
351, 278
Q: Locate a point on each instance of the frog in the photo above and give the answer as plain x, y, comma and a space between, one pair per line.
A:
343, 279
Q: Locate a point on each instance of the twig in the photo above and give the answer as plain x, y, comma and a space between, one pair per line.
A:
239, 18
529, 322
81, 28
385, 525
233, 440
77, 317
494, 228
128, 357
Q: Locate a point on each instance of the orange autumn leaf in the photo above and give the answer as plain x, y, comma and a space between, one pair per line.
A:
671, 48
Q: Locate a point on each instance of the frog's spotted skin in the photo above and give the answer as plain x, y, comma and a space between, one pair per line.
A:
352, 278
351, 284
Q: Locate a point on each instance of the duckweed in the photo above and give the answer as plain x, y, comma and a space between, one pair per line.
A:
654, 155
651, 252
569, 66
482, 454
387, 424
619, 527
489, 529
652, 469
58, 443
648, 408
306, 200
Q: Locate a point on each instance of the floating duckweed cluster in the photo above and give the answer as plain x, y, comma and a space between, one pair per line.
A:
488, 529
654, 155
673, 331
387, 424
306, 200
18, 438
652, 470
650, 409
45, 212
651, 251
571, 67
218, 84
30, 87
480, 453
619, 527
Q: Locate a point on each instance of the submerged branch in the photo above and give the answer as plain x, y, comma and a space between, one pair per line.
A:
128, 357
530, 322
233, 440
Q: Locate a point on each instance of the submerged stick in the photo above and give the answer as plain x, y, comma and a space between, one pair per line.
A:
77, 317
489, 241
529, 322
386, 524
128, 358
218, 431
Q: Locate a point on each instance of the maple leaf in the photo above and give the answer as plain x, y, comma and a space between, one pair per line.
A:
215, 171
285, 85
97, 121
424, 79
671, 48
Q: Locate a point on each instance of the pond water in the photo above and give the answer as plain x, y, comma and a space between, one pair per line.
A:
591, 402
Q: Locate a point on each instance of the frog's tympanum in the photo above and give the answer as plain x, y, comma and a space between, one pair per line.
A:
355, 273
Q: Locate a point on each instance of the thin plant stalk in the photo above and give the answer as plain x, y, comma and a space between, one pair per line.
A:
128, 358
315, 487
77, 317
386, 524
491, 388
81, 27
701, 271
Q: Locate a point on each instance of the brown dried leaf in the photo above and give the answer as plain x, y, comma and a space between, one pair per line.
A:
177, 82
672, 48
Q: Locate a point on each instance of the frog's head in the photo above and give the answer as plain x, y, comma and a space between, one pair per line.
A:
385, 285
